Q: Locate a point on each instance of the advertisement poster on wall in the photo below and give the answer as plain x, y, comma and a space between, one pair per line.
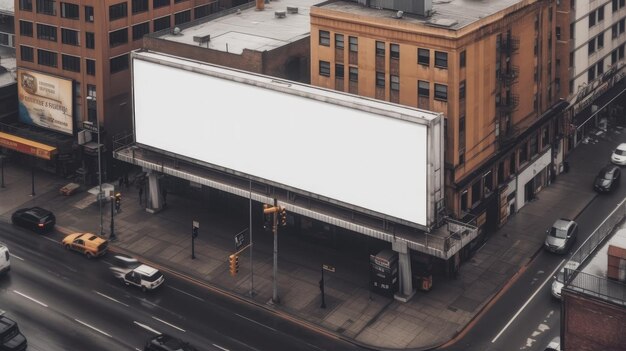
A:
45, 101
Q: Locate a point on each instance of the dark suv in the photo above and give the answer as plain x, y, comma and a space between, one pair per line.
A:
10, 337
166, 342
34, 218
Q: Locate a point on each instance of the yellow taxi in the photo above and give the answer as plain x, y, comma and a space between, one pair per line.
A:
88, 244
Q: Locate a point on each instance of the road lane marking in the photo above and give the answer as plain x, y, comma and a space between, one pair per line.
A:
16, 256
147, 328
92, 327
110, 298
54, 241
186, 293
30, 298
528, 301
221, 348
253, 321
171, 325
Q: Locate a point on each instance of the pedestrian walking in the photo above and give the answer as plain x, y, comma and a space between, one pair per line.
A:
140, 195
164, 194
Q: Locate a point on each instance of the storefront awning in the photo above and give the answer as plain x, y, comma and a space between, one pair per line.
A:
27, 146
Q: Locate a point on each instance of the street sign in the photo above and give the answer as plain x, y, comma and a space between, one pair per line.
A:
328, 268
90, 126
239, 240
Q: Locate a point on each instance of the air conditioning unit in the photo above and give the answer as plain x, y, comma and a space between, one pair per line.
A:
280, 14
90, 18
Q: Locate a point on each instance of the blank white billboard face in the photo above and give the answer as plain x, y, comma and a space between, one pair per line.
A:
360, 158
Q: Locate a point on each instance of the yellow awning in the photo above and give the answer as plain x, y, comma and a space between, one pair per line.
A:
27, 146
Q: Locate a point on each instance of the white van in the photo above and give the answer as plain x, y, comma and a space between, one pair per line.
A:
5, 264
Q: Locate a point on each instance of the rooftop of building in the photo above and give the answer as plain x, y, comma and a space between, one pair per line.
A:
7, 7
8, 62
450, 14
249, 28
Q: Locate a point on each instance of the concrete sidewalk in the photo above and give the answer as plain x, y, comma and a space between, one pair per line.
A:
352, 312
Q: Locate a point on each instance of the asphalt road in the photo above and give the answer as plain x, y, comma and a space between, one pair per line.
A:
62, 301
526, 316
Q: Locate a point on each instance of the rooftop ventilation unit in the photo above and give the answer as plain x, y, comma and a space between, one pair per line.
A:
280, 14
177, 31
202, 38
292, 9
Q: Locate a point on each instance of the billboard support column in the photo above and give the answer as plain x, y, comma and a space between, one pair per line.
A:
32, 175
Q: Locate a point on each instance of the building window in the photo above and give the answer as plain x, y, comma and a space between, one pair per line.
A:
90, 40
69, 36
201, 11
380, 79
380, 48
71, 11
534, 147
161, 23
118, 11
600, 66
46, 58
324, 38
463, 198
462, 59
70, 63
558, 33
354, 44
88, 13
325, 68
26, 5
339, 41
160, 3
423, 88
139, 6
354, 74
523, 152
141, 29
591, 46
614, 31
592, 19
423, 57
475, 193
46, 32
441, 59
91, 67
119, 63
614, 5
182, 17
26, 28
27, 53
600, 13
620, 51
462, 90
462, 133
591, 73
441, 92
600, 41
622, 23
46, 7
395, 83
118, 37
338, 70
395, 51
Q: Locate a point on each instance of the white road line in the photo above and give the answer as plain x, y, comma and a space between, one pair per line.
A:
30, 298
253, 321
110, 298
54, 241
147, 327
92, 327
16, 256
171, 325
528, 301
221, 348
186, 293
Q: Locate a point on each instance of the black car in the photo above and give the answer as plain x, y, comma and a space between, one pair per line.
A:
34, 218
10, 337
166, 342
607, 179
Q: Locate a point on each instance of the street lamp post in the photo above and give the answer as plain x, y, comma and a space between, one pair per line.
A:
89, 126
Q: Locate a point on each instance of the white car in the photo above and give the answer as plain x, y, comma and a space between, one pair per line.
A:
5, 263
554, 345
558, 282
132, 272
619, 155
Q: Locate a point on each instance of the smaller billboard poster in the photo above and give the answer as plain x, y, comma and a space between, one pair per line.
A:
45, 101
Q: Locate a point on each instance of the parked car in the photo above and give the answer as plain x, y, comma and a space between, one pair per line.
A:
607, 179
559, 279
34, 218
561, 236
164, 342
619, 155
132, 272
11, 339
5, 263
554, 345
88, 244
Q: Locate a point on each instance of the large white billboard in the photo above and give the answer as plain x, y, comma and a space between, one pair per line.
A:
45, 101
286, 134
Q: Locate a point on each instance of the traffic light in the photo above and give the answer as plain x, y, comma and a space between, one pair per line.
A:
194, 231
233, 261
267, 217
283, 216
118, 202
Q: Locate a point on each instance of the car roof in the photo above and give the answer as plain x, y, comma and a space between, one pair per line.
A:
146, 270
562, 223
621, 146
5, 323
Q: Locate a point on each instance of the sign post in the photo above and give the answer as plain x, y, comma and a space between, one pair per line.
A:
195, 226
331, 269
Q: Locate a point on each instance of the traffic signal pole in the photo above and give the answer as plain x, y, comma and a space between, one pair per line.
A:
275, 298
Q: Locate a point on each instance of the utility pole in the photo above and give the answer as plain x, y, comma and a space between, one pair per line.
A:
275, 211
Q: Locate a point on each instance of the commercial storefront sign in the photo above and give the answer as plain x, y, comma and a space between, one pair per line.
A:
27, 146
45, 101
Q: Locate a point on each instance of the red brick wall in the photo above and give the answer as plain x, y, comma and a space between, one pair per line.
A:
589, 324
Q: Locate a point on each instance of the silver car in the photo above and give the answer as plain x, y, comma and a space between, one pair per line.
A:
132, 272
619, 155
561, 236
